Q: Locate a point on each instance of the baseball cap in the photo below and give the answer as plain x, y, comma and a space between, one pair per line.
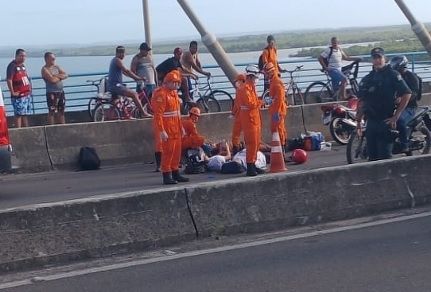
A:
145, 46
377, 52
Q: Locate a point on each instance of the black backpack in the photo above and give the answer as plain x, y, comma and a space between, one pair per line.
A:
419, 93
326, 60
88, 159
194, 162
231, 167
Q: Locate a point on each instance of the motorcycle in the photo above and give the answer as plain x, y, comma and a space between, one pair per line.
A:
341, 119
419, 138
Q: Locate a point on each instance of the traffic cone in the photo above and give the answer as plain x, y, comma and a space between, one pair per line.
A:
277, 159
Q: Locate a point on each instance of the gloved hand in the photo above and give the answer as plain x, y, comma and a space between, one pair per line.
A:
275, 117
268, 100
164, 136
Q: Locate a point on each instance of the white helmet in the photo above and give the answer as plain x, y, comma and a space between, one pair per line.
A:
252, 70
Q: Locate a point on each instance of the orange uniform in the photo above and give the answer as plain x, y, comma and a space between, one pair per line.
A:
191, 138
269, 55
249, 114
278, 108
236, 130
167, 118
157, 140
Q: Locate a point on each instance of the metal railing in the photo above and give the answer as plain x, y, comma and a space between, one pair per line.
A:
78, 91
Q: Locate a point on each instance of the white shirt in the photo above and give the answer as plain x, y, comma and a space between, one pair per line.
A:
215, 162
336, 60
240, 157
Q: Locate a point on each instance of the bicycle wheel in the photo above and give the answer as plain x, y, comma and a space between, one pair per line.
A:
356, 148
318, 92
106, 112
208, 104
224, 99
92, 103
296, 96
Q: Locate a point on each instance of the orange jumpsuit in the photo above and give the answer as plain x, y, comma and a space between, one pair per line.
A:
157, 140
269, 55
167, 117
191, 138
236, 130
278, 106
249, 106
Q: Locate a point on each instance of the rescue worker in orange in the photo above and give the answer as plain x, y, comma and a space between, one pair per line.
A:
167, 122
236, 130
249, 106
278, 106
157, 140
269, 55
191, 138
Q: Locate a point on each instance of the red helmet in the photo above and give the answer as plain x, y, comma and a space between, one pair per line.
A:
299, 156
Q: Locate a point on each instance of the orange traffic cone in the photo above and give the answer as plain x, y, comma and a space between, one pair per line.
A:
277, 159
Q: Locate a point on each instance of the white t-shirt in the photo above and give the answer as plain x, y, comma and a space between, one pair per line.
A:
336, 60
240, 157
215, 162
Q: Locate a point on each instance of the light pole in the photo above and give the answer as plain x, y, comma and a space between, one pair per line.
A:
418, 28
146, 14
211, 43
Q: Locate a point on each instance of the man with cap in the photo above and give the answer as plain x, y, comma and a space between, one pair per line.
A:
249, 113
174, 63
378, 92
167, 122
331, 60
269, 55
143, 66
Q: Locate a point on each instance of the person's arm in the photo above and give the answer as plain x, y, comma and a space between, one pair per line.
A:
9, 74
48, 77
126, 71
405, 93
346, 57
134, 65
322, 58
198, 67
62, 74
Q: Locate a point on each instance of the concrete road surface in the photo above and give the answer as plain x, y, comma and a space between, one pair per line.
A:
26, 189
386, 255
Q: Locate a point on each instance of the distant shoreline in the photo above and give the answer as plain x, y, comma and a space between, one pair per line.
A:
388, 36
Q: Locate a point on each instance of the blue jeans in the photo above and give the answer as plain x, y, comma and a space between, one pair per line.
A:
336, 77
379, 142
406, 116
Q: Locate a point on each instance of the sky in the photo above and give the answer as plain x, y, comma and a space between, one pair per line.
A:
46, 22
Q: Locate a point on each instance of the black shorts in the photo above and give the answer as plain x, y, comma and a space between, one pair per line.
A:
56, 101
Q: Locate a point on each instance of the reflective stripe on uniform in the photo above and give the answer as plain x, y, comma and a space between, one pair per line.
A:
171, 114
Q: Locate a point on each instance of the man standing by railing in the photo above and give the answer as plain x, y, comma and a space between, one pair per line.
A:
53, 76
20, 88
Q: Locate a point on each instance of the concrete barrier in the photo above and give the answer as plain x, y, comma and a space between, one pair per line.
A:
44, 148
30, 149
276, 201
115, 142
95, 227
105, 225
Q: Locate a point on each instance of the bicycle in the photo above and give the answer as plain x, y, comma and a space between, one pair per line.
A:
123, 108
207, 101
102, 97
292, 90
320, 91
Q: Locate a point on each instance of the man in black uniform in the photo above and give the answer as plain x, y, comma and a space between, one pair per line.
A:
399, 63
378, 92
